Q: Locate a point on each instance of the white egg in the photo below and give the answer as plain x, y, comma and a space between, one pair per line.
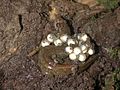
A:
69, 49
79, 36
83, 47
84, 37
90, 51
72, 56
70, 41
79, 43
77, 50
82, 57
45, 43
58, 42
85, 51
64, 37
49, 67
50, 37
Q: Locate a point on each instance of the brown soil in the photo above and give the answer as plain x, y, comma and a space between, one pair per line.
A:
24, 22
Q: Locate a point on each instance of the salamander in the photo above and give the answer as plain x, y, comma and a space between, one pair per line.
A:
48, 65
46, 62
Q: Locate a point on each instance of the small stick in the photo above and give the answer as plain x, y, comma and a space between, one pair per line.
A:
33, 52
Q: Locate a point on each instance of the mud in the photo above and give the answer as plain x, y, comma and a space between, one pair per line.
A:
24, 23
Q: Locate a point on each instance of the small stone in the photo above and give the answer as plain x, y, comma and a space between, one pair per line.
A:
58, 42
77, 50
82, 57
45, 43
69, 49
90, 51
72, 56
64, 37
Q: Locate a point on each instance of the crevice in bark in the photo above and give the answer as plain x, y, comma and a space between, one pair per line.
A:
20, 23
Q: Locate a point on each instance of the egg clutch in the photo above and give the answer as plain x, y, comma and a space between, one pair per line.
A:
78, 47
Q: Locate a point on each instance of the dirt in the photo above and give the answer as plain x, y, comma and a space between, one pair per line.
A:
24, 23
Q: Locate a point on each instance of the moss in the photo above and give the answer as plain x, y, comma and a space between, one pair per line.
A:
114, 52
109, 4
117, 79
93, 18
109, 82
112, 81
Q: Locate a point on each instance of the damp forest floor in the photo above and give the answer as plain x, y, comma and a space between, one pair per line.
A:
24, 22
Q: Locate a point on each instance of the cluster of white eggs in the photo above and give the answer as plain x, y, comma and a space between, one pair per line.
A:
78, 47
56, 40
